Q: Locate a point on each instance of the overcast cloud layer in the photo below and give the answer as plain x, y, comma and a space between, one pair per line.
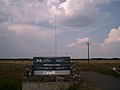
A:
27, 27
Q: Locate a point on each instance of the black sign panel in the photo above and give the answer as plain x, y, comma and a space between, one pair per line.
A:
59, 65
51, 59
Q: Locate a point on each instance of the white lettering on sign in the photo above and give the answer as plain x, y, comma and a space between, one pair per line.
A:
59, 60
39, 60
47, 60
51, 64
48, 72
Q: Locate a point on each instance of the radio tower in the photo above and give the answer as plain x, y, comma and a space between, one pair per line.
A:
55, 37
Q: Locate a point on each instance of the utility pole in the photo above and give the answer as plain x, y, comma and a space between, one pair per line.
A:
88, 44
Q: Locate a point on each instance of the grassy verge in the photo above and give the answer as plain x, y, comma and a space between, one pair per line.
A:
8, 81
11, 76
82, 86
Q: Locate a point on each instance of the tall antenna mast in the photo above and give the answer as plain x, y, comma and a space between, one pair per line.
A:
55, 37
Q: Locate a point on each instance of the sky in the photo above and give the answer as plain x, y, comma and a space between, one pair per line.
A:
27, 28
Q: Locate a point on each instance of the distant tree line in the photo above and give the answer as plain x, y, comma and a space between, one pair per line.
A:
105, 59
16, 59
29, 59
97, 59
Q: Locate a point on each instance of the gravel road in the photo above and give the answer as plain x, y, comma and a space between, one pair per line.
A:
104, 82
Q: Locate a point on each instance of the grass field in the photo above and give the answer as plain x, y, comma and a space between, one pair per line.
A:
11, 72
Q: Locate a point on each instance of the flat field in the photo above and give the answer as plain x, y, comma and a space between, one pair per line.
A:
11, 72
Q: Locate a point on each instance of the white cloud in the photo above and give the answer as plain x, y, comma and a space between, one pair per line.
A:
32, 32
78, 13
109, 48
70, 13
24, 40
25, 10
78, 43
10, 45
112, 42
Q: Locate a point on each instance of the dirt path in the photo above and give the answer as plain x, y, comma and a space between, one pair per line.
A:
104, 82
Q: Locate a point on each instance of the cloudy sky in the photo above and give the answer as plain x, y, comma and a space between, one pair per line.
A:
27, 28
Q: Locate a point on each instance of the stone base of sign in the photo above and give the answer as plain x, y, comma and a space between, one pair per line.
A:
47, 85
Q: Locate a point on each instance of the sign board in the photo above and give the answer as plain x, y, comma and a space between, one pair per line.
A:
51, 65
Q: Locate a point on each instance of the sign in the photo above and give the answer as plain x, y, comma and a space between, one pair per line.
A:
51, 65
49, 72
57, 72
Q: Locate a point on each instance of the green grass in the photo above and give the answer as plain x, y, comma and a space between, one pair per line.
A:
11, 76
9, 82
82, 86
